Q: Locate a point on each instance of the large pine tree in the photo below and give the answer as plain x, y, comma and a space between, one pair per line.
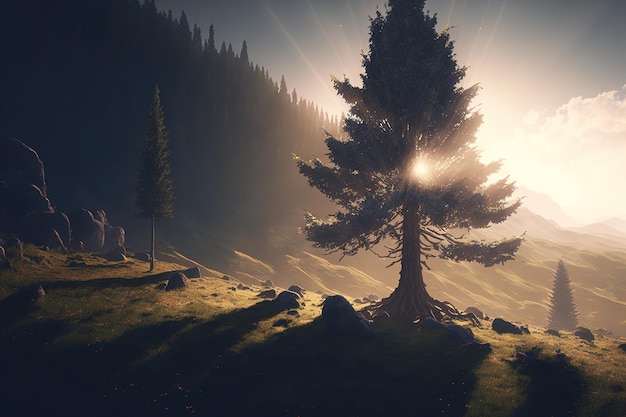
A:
155, 187
409, 171
563, 311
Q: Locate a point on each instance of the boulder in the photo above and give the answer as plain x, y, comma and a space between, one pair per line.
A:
341, 318
14, 248
584, 334
20, 162
429, 323
192, 272
502, 326
603, 332
287, 300
87, 229
143, 256
50, 239
4, 261
177, 280
21, 198
117, 254
56, 220
271, 294
552, 332
22, 183
622, 346
459, 335
297, 289
113, 236
476, 312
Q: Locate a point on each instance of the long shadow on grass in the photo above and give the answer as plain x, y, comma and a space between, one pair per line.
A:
307, 371
17, 305
97, 283
555, 386
187, 367
153, 370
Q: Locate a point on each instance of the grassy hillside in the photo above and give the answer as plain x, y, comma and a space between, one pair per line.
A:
107, 340
519, 290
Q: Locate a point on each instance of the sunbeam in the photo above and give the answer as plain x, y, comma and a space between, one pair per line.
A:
325, 83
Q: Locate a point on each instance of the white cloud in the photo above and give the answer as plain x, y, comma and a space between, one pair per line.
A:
576, 154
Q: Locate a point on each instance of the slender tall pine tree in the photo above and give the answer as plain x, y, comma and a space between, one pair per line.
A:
563, 311
155, 187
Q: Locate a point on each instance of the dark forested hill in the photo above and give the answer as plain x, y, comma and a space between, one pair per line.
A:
75, 83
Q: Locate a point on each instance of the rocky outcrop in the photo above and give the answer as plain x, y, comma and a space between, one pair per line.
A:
27, 213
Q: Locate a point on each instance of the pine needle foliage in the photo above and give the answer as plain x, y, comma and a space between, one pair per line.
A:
408, 170
155, 186
563, 313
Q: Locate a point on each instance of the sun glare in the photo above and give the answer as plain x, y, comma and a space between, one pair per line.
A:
421, 170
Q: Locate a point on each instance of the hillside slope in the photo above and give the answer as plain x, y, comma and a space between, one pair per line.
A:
519, 290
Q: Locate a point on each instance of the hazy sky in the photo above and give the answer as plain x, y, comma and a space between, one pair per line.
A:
552, 76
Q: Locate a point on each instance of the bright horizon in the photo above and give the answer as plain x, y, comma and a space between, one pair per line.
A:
552, 79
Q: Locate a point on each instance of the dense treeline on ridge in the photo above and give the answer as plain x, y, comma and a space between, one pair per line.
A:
77, 77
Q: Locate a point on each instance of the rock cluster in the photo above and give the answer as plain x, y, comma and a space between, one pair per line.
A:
27, 213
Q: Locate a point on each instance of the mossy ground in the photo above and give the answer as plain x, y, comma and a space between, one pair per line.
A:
106, 341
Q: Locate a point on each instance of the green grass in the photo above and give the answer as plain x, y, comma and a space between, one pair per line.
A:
106, 342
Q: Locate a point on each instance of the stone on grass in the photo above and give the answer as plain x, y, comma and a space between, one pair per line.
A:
553, 332
502, 326
117, 254
287, 300
192, 272
622, 346
297, 289
177, 280
429, 323
476, 311
584, 334
603, 332
271, 294
341, 318
143, 256
459, 334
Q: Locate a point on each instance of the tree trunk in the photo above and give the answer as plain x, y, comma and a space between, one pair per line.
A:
153, 220
410, 299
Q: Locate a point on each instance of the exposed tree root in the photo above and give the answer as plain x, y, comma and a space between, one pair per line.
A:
404, 307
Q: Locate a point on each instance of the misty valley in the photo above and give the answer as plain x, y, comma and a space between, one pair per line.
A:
181, 233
